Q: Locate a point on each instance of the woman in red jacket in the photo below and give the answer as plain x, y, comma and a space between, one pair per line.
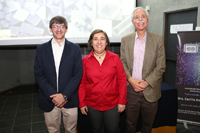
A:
103, 89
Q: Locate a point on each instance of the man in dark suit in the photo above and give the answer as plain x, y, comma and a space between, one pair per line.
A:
58, 71
143, 57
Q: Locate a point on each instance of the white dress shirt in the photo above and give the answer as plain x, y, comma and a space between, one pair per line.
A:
57, 54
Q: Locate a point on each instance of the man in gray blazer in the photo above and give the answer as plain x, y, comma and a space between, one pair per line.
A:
143, 57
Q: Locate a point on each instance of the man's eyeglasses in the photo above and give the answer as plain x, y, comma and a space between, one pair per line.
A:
58, 26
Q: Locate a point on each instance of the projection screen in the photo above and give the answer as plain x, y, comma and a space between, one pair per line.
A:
24, 22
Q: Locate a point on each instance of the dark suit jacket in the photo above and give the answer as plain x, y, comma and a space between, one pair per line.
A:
153, 65
70, 74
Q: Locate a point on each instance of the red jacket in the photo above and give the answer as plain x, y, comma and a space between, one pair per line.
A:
103, 87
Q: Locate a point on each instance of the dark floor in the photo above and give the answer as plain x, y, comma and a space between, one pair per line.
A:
19, 113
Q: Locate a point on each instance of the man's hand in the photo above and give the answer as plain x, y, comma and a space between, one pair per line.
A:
135, 84
84, 110
58, 100
121, 108
143, 84
63, 104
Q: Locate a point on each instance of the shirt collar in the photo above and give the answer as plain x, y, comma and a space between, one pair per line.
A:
92, 54
144, 38
55, 43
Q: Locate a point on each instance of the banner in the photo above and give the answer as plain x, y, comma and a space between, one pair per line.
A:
188, 76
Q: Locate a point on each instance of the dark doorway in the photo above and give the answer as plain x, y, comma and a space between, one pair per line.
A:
171, 41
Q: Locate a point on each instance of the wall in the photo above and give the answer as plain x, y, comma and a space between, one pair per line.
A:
159, 7
16, 62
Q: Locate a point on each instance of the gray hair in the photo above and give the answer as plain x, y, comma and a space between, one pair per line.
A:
137, 8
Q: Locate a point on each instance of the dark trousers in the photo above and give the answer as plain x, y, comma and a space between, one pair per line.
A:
104, 121
138, 104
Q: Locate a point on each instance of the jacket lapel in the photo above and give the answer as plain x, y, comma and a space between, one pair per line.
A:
65, 51
131, 49
50, 52
147, 49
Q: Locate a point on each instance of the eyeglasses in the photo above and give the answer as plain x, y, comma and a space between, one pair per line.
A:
58, 26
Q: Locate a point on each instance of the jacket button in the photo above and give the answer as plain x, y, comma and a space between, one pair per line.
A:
55, 77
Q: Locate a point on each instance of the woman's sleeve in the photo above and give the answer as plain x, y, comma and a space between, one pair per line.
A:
81, 91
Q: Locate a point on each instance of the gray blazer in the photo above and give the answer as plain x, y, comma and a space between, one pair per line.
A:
153, 65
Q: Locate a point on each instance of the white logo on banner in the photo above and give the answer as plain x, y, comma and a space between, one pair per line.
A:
190, 48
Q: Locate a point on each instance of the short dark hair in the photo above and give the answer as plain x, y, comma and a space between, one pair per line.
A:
58, 20
92, 35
